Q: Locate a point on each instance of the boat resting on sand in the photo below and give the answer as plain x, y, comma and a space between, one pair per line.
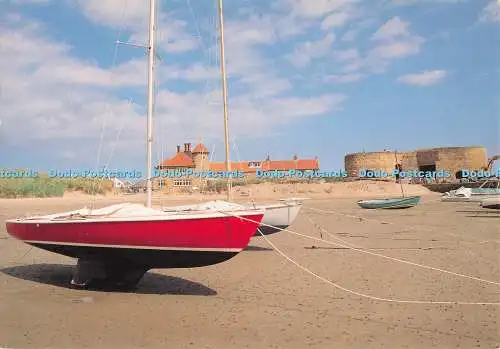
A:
460, 195
493, 203
486, 191
276, 216
119, 243
464, 194
394, 203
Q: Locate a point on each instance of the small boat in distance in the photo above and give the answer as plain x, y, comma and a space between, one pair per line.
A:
492, 203
461, 194
394, 203
464, 194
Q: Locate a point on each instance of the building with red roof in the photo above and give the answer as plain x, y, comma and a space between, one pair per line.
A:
197, 160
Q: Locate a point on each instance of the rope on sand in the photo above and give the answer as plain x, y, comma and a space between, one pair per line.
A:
369, 219
390, 300
407, 228
345, 244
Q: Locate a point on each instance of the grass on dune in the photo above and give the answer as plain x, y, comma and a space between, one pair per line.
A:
43, 186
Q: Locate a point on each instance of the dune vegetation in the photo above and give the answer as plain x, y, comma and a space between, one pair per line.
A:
43, 186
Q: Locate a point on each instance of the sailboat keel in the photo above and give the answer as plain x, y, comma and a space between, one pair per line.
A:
147, 258
110, 274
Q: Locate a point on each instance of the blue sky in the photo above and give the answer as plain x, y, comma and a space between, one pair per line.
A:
314, 78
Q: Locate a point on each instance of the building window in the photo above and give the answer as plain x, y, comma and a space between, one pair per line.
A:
253, 164
182, 183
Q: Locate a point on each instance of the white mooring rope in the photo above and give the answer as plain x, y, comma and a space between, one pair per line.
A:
402, 301
370, 219
408, 228
358, 249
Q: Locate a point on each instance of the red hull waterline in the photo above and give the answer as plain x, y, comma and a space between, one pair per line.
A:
150, 244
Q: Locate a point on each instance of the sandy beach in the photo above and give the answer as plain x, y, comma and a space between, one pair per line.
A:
259, 299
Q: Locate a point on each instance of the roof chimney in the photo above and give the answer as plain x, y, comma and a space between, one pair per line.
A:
187, 147
295, 157
178, 148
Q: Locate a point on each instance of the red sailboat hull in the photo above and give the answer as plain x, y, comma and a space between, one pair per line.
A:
171, 243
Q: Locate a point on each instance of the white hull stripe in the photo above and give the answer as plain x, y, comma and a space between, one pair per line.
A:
135, 247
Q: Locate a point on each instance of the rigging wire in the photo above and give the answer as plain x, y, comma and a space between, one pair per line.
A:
107, 112
212, 57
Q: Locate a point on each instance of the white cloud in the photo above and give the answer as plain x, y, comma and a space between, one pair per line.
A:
351, 59
395, 50
343, 79
173, 35
349, 36
292, 108
115, 13
491, 13
347, 55
330, 13
317, 8
391, 41
353, 66
335, 20
39, 105
247, 116
71, 71
262, 85
54, 96
246, 63
394, 41
196, 72
426, 78
305, 52
393, 28
251, 31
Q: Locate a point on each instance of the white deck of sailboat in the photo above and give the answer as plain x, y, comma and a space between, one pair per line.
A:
224, 205
129, 212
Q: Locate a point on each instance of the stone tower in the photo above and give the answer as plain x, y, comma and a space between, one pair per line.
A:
200, 158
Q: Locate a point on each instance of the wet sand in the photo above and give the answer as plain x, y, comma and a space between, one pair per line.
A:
260, 300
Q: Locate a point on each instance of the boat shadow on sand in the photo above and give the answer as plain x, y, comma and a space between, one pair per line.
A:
152, 283
257, 248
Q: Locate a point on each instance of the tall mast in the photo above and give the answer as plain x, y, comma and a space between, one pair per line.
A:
224, 98
151, 61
